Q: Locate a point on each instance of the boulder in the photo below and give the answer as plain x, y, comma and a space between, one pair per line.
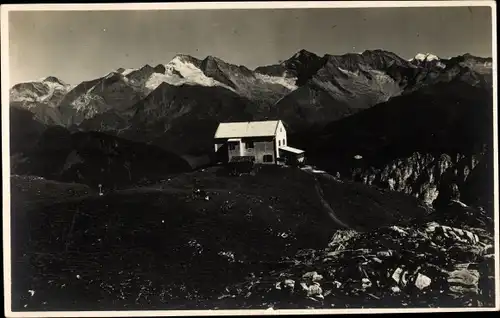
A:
424, 262
385, 254
422, 281
288, 285
395, 289
312, 277
366, 283
315, 291
462, 282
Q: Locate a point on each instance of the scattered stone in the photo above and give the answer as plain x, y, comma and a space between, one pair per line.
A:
312, 276
422, 281
397, 275
304, 286
366, 283
489, 249
395, 289
334, 254
404, 279
399, 230
376, 259
385, 254
489, 256
448, 261
464, 281
314, 290
289, 284
317, 278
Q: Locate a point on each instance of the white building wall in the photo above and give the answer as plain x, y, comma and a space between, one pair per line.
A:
217, 146
260, 149
281, 138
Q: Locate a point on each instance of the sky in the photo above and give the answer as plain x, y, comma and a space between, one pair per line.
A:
83, 45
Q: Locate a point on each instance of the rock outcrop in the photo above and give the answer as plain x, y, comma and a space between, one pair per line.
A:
428, 264
432, 179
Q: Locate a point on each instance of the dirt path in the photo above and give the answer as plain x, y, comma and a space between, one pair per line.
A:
153, 189
327, 206
321, 196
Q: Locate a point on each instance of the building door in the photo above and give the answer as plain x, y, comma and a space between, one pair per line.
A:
222, 154
267, 158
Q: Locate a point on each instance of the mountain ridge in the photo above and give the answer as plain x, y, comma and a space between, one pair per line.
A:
306, 90
297, 54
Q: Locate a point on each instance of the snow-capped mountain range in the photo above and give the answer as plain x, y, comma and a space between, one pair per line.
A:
304, 90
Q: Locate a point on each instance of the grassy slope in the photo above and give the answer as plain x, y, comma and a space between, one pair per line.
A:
37, 190
95, 158
167, 247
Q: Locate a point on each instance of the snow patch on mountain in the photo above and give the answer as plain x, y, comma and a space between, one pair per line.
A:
440, 65
54, 87
189, 74
378, 76
157, 78
382, 78
288, 82
128, 71
89, 104
425, 57
347, 72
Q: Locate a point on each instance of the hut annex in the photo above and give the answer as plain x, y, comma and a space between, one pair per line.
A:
263, 142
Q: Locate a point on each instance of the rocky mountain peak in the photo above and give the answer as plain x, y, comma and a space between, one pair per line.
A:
211, 58
183, 59
467, 57
146, 67
211, 62
304, 54
160, 68
54, 80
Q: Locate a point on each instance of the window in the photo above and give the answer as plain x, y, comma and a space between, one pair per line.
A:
232, 146
279, 142
284, 143
249, 145
268, 158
